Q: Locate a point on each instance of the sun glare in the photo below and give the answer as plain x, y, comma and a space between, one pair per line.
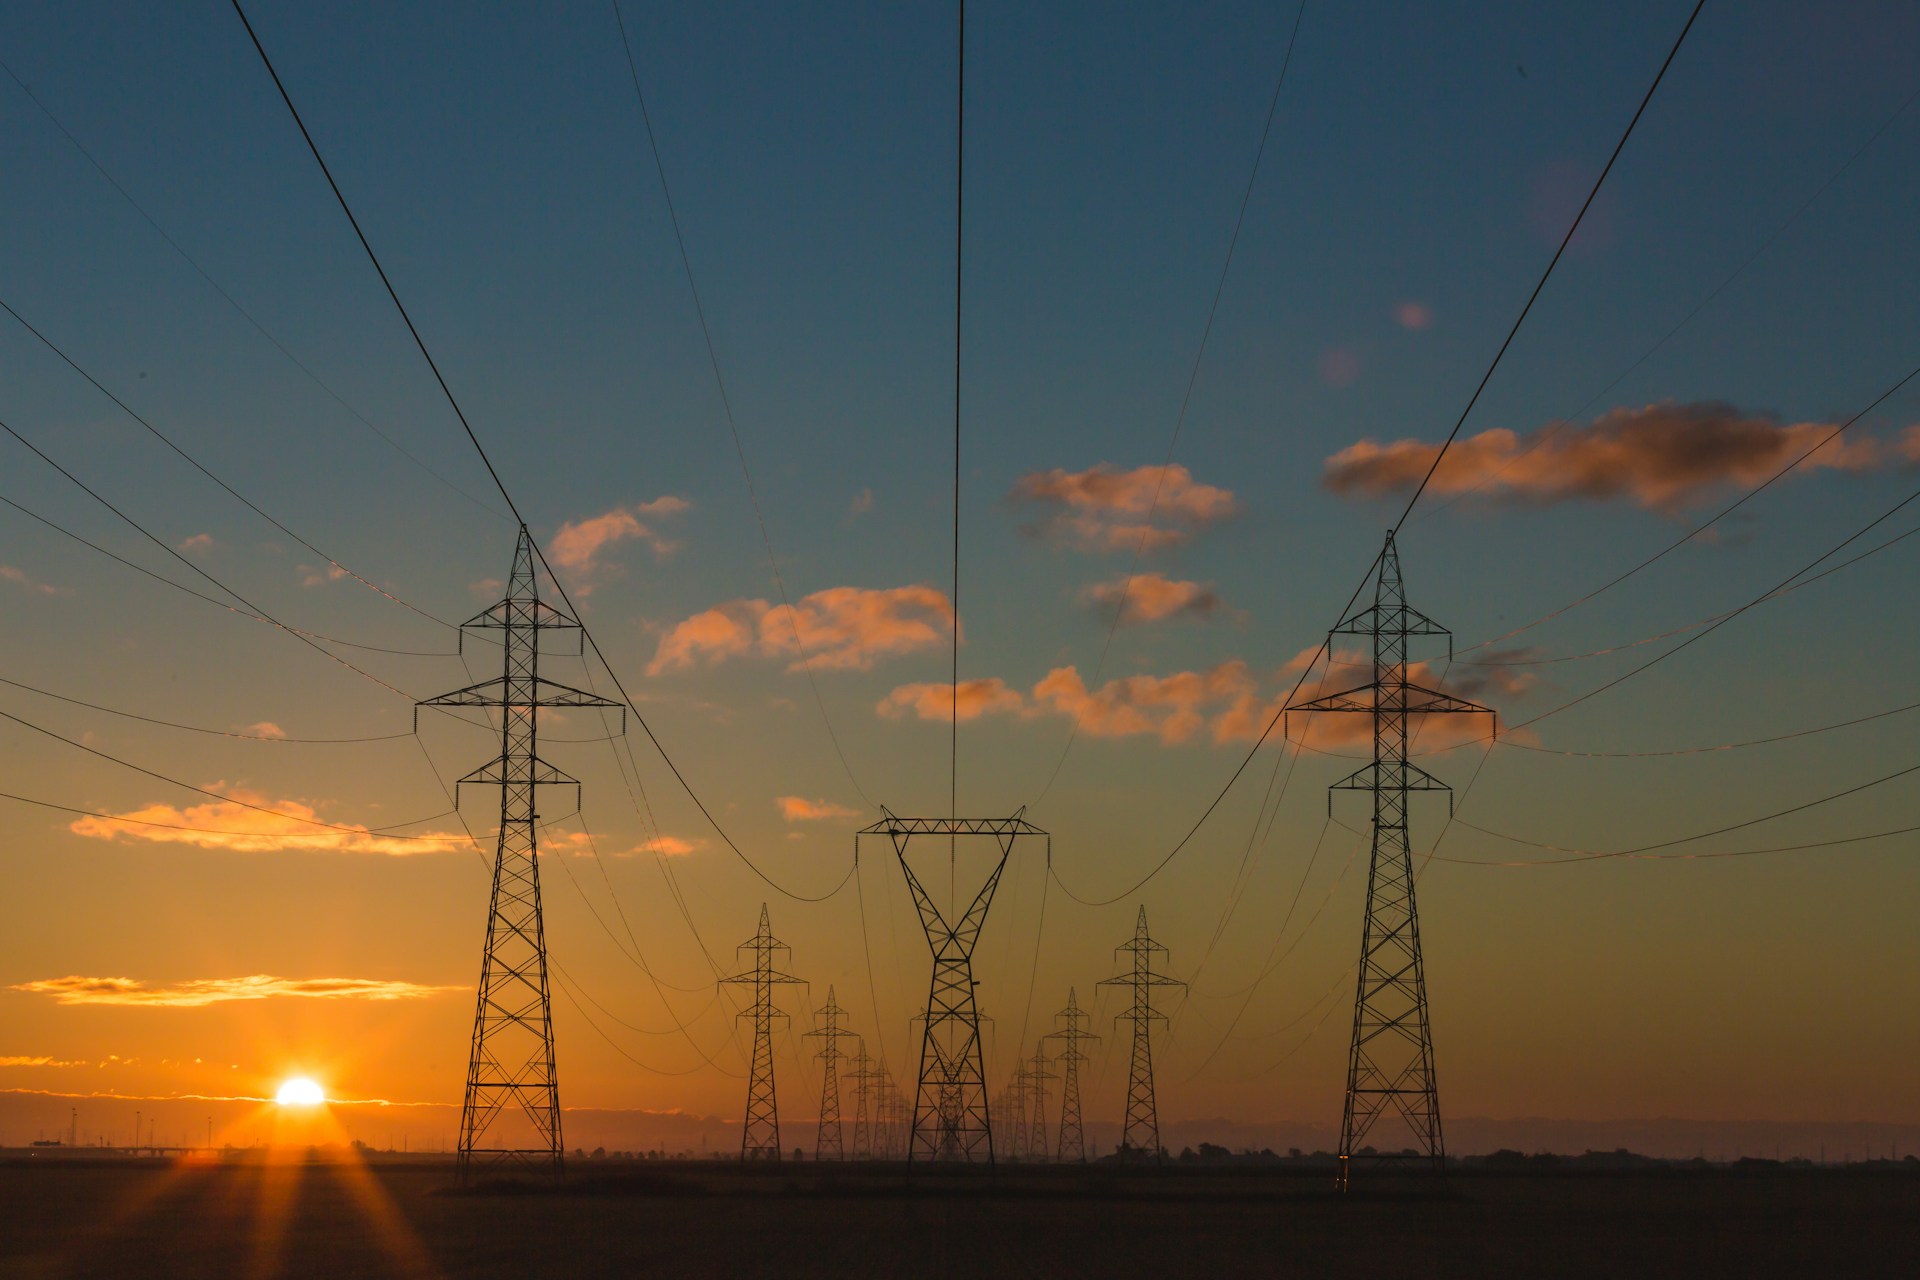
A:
300, 1092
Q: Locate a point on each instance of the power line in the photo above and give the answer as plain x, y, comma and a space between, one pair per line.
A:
959, 258
1711, 855
194, 728
253, 609
474, 438
1548, 273
1542, 437
188, 786
1323, 647
1186, 399
231, 301
195, 463
726, 405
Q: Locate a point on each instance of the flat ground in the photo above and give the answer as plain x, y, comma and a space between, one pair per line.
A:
241, 1221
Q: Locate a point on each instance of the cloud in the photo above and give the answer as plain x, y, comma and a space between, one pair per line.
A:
861, 504
198, 544
985, 696
667, 846
20, 1060
198, 992
578, 543
801, 809
1151, 597
1174, 707
1106, 509
841, 627
223, 824
582, 845
1662, 457
20, 578
1413, 315
1339, 366
265, 729
312, 577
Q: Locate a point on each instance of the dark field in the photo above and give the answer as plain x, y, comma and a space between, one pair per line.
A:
239, 1221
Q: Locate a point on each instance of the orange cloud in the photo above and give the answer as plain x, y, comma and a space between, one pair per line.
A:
21, 1060
1413, 315
237, 828
578, 543
312, 577
841, 627
801, 809
1150, 597
1663, 456
198, 992
1106, 509
196, 545
265, 729
976, 698
1173, 707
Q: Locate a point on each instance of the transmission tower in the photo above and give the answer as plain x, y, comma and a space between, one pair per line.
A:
950, 1115
760, 1135
1014, 1107
1037, 1077
864, 1075
511, 1066
1073, 1138
1390, 1063
1140, 1138
827, 1144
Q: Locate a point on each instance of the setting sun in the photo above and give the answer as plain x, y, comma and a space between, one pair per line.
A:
300, 1092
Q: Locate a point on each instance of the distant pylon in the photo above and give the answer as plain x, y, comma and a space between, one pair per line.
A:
864, 1075
1037, 1077
1014, 1110
1073, 1139
1390, 1060
1140, 1137
950, 1111
827, 1143
760, 1135
511, 1064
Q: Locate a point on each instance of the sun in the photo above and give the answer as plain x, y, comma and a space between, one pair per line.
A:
300, 1092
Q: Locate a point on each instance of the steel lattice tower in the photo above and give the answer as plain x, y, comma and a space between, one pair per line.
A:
1037, 1077
1141, 1134
863, 1075
950, 1112
827, 1143
511, 1066
1390, 1063
1073, 1139
1015, 1099
760, 1135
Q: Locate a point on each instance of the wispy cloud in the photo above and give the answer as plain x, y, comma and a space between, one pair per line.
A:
21, 1060
985, 696
577, 544
264, 729
1151, 597
801, 809
841, 627
198, 544
1106, 509
198, 992
20, 578
237, 828
1660, 456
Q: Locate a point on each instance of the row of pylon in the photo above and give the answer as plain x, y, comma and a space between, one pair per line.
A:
1390, 1071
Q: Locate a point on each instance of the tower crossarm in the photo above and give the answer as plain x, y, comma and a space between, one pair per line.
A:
1413, 699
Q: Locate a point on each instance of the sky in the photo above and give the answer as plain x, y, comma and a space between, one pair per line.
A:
1740, 287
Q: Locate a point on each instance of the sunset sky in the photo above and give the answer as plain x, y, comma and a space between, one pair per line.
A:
1743, 284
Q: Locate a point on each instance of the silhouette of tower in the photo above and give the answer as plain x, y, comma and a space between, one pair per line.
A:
1140, 1138
511, 1068
864, 1076
950, 1113
1014, 1107
1390, 1061
1073, 1139
827, 1143
1037, 1077
760, 1135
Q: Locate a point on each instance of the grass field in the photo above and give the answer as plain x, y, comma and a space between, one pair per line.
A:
237, 1221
